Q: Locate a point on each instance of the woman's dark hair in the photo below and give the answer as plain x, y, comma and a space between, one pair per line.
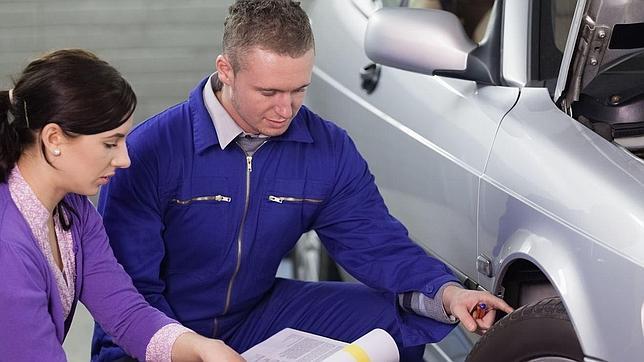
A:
72, 88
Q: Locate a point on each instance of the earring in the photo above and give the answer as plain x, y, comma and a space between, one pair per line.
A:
56, 151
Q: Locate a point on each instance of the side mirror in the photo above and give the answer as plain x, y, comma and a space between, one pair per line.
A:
430, 42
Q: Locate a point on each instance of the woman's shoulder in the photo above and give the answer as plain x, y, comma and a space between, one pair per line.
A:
12, 223
16, 241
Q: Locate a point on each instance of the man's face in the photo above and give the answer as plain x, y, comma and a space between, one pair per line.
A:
267, 91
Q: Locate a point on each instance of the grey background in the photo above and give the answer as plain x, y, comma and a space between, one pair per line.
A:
162, 47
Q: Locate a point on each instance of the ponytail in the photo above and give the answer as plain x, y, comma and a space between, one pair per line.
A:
10, 147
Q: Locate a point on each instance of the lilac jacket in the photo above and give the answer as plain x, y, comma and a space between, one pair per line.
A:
32, 325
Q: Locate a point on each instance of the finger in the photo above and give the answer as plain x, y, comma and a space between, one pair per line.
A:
466, 319
483, 325
487, 321
484, 318
498, 303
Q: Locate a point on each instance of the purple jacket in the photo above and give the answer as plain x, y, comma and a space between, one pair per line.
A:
32, 326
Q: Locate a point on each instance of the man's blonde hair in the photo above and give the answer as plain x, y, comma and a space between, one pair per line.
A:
279, 26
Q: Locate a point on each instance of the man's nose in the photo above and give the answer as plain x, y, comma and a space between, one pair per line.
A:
283, 107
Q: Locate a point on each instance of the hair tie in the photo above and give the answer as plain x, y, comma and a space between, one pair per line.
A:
24, 104
26, 117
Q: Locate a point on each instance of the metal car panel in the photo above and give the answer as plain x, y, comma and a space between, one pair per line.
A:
339, 28
583, 272
444, 143
571, 173
397, 169
515, 62
459, 163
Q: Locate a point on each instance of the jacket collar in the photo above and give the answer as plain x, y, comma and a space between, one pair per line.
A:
205, 135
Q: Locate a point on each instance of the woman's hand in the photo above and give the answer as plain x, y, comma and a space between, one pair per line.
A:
191, 347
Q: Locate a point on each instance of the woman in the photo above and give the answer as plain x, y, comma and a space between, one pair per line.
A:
70, 112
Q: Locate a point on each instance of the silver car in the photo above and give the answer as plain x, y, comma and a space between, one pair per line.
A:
508, 137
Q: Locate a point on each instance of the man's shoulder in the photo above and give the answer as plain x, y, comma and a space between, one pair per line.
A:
170, 121
321, 128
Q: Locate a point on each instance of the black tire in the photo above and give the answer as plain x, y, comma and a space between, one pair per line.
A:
540, 330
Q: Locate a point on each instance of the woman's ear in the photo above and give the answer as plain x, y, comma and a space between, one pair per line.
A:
53, 138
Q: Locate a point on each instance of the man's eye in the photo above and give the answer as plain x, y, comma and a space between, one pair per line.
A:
110, 145
268, 93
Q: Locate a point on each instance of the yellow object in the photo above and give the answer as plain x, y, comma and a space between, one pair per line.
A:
357, 352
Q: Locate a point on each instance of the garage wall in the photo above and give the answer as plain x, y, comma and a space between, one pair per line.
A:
162, 47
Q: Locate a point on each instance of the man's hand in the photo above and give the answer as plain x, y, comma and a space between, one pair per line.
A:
462, 304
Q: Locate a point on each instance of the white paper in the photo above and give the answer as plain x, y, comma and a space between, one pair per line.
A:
377, 345
292, 345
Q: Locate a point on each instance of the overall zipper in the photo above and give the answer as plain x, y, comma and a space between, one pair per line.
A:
249, 169
283, 199
218, 198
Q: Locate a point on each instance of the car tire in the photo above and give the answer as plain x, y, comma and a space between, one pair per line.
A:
541, 331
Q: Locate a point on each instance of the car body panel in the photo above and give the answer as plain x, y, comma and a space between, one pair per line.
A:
557, 164
457, 154
571, 203
515, 61
496, 171
590, 278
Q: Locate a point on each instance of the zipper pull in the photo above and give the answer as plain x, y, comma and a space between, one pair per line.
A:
272, 198
249, 163
222, 198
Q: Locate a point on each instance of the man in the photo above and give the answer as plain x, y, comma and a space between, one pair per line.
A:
222, 185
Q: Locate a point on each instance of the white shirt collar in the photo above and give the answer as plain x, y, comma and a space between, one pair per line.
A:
227, 129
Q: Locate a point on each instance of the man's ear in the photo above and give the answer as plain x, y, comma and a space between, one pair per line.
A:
224, 70
53, 138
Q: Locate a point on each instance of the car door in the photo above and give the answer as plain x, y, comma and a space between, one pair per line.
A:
426, 138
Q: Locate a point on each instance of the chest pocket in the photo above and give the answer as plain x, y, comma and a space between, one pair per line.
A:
289, 207
197, 219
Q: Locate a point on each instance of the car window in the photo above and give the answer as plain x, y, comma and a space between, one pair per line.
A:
474, 14
551, 21
562, 12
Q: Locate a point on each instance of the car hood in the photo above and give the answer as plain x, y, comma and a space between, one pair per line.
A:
604, 55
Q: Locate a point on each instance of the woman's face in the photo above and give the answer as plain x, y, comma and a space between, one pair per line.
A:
87, 162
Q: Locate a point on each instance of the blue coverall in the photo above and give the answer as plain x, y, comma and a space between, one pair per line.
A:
199, 230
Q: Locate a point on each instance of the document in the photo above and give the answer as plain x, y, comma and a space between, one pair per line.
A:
290, 345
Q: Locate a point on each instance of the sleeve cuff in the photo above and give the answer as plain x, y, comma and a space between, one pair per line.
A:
425, 306
159, 348
451, 319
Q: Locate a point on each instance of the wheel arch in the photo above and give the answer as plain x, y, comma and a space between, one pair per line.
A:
519, 275
543, 266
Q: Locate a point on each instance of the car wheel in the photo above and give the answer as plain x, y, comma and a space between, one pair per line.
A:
537, 332
311, 262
